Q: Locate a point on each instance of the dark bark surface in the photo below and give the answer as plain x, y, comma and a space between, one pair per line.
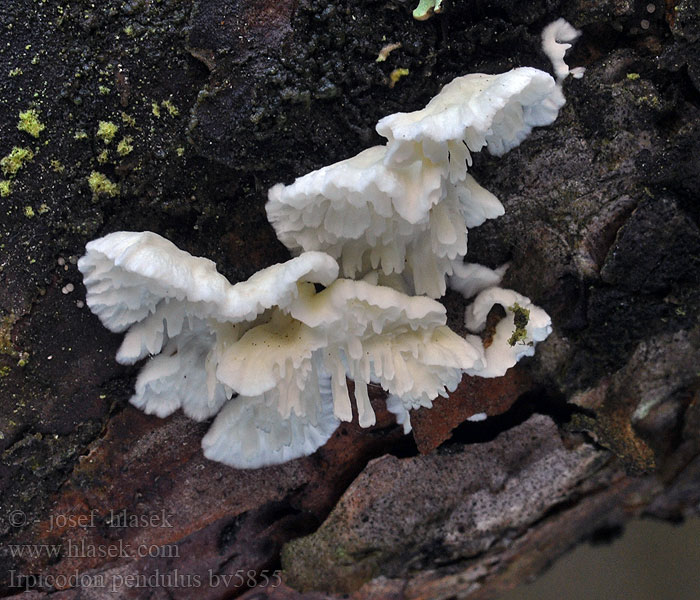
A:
210, 102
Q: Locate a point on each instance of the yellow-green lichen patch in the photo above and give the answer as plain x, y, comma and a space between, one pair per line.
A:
15, 72
632, 76
103, 156
6, 346
100, 185
58, 166
5, 188
29, 122
155, 109
29, 212
125, 145
180, 150
106, 130
104, 90
128, 120
521, 317
80, 135
43, 208
170, 107
395, 75
15, 160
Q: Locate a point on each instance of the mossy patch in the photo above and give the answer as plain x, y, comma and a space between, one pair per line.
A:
15, 160
106, 130
521, 317
30, 123
5, 188
125, 146
170, 107
101, 185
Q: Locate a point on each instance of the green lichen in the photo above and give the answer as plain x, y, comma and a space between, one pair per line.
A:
29, 212
128, 120
15, 160
632, 76
521, 317
80, 135
100, 185
155, 109
426, 9
106, 130
4, 372
170, 107
5, 188
15, 72
104, 90
397, 74
29, 122
6, 346
103, 156
43, 208
180, 150
125, 146
57, 166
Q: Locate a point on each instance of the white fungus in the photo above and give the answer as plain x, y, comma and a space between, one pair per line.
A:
405, 207
273, 340
516, 334
269, 356
554, 44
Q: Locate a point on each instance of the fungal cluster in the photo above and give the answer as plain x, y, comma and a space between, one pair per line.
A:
376, 239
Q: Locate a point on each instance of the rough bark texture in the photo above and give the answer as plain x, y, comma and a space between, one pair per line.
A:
214, 101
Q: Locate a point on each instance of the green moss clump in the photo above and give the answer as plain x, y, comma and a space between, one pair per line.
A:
128, 120
15, 160
106, 130
632, 76
125, 145
100, 185
5, 188
29, 212
103, 156
155, 109
521, 317
170, 107
29, 122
